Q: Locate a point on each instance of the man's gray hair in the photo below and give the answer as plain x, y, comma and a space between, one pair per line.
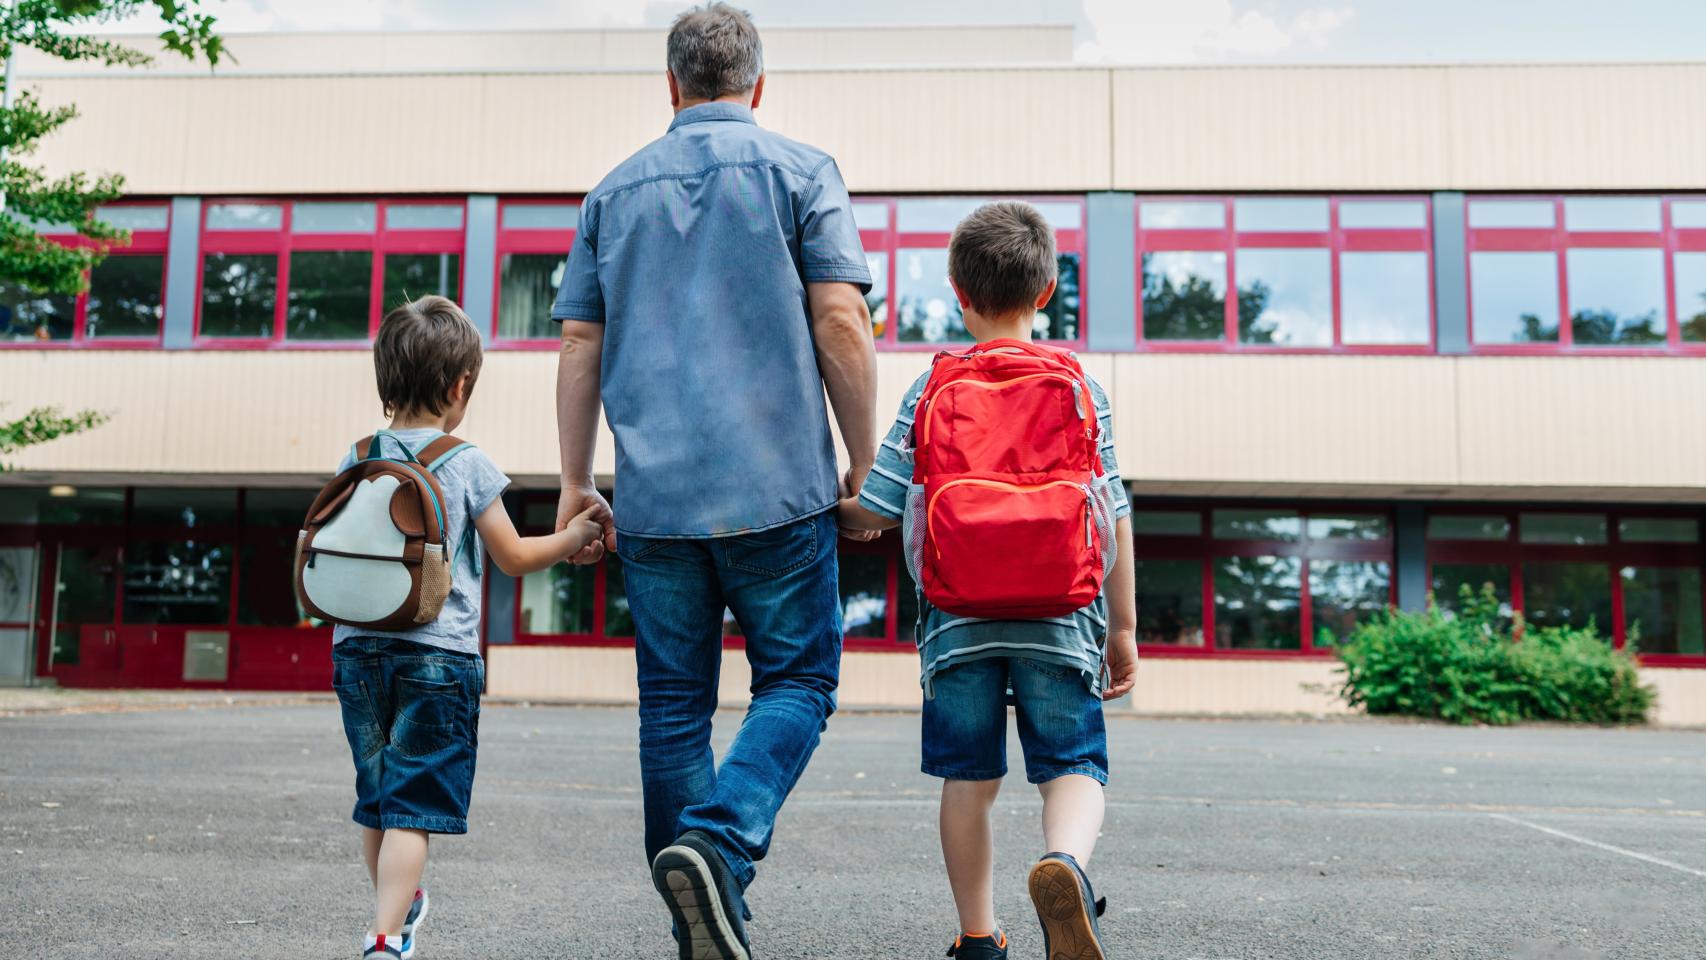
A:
714, 51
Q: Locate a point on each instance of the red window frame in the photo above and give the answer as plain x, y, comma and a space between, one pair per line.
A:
1205, 548
527, 241
1512, 553
143, 243
1227, 239
889, 242
281, 242
1558, 239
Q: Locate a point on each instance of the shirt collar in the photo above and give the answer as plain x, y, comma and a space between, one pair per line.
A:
715, 110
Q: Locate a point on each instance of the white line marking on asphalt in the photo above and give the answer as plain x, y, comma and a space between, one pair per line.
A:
1601, 846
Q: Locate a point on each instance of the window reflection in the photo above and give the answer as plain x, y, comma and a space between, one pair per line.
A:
558, 600
928, 310
1384, 298
864, 594
1369, 526
1169, 602
877, 301
1183, 215
1514, 297
1661, 610
1575, 529
528, 285
1691, 296
1617, 296
1344, 593
238, 293
618, 619
1184, 295
27, 315
410, 276
177, 582
1058, 319
330, 295
1279, 214
124, 297
1449, 579
1257, 603
1285, 297
1567, 595
1257, 525
1468, 527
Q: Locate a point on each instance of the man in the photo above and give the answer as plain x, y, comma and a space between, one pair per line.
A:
713, 296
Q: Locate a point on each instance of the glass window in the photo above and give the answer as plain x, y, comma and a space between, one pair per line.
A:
330, 295
1285, 297
61, 505
1166, 523
192, 507
1612, 213
1058, 319
245, 216
942, 215
135, 216
1184, 295
1257, 525
1514, 297
1658, 530
1359, 526
1661, 610
1344, 593
27, 315
410, 276
1567, 594
1526, 214
558, 600
1169, 602
1383, 214
1449, 579
877, 301
266, 595
17, 584
1257, 603
1289, 214
1688, 214
1576, 529
124, 297
528, 285
618, 620
277, 508
542, 216
864, 594
1182, 215
86, 592
177, 582
906, 607
871, 215
334, 218
423, 216
238, 294
929, 310
1617, 296
1691, 296
1383, 298
1442, 526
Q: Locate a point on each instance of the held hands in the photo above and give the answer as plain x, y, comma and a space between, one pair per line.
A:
851, 482
583, 508
847, 514
1119, 664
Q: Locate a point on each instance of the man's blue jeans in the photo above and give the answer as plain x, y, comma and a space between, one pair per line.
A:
782, 586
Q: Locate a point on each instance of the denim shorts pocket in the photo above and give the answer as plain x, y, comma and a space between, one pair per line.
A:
427, 716
1047, 668
774, 552
361, 726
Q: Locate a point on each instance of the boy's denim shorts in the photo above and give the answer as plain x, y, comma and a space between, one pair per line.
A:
1060, 721
412, 716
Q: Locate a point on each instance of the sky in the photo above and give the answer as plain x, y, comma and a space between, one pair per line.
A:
1106, 31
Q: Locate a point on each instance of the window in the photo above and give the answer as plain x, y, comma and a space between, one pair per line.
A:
124, 302
1586, 272
534, 238
906, 243
1311, 273
864, 593
321, 272
1662, 610
1258, 578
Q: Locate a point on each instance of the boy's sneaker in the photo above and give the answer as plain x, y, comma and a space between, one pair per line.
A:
702, 898
388, 948
1068, 909
991, 946
417, 915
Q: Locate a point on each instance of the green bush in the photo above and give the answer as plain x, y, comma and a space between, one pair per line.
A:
1464, 667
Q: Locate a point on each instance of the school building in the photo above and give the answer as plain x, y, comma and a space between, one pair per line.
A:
1369, 333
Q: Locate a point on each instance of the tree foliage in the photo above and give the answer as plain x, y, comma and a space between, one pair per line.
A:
41, 425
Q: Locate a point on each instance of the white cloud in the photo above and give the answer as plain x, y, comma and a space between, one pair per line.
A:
1188, 31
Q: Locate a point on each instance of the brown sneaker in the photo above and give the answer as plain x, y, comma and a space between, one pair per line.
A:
1067, 908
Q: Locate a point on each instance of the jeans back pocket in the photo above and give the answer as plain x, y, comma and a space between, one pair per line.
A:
774, 552
427, 716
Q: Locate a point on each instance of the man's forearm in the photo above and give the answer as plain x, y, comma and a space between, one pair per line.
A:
577, 398
847, 361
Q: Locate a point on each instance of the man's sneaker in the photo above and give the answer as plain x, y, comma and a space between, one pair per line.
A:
382, 947
987, 947
417, 915
1067, 908
702, 897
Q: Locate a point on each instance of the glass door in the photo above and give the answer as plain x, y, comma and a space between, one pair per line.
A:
79, 639
17, 612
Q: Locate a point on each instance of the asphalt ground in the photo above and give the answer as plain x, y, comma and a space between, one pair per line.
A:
223, 833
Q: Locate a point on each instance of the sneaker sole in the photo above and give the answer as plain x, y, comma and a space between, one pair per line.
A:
1067, 932
684, 880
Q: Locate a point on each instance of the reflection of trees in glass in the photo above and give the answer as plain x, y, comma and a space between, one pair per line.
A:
1533, 331
330, 295
124, 297
1662, 609
1257, 602
929, 312
1058, 319
1252, 303
558, 600
27, 315
1607, 328
1343, 593
1256, 525
1450, 580
1192, 310
237, 294
410, 276
1693, 327
1567, 595
1169, 602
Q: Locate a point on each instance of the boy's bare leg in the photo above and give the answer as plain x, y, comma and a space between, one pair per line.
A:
370, 840
968, 849
1072, 816
402, 858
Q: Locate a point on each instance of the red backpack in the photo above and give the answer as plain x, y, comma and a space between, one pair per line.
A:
1008, 517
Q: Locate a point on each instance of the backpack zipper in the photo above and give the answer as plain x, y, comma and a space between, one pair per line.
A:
1077, 399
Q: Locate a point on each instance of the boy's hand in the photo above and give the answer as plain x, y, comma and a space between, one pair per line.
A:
1120, 661
587, 526
849, 523
577, 500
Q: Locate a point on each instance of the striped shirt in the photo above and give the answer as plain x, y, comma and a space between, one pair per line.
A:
945, 639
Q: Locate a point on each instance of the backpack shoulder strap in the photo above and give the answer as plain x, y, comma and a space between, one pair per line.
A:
362, 448
441, 451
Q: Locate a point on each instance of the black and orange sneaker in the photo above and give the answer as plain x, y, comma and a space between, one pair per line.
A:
988, 946
1067, 908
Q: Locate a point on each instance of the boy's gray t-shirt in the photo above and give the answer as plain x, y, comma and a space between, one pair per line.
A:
471, 482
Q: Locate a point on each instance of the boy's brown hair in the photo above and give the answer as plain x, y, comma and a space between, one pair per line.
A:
422, 349
1002, 257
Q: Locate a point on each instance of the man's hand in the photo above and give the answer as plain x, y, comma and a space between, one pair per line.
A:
851, 482
1120, 663
576, 499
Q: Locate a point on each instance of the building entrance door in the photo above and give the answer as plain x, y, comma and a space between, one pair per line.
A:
17, 612
76, 618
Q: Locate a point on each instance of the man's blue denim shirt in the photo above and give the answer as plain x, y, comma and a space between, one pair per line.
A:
695, 254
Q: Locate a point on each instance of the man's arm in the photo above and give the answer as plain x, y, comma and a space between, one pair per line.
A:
847, 360
577, 429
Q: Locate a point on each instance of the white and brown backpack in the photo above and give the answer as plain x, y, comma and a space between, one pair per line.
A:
373, 552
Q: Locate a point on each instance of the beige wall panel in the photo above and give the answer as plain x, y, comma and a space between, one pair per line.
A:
1682, 696
1578, 126
1234, 687
908, 130
1322, 419
562, 133
1275, 128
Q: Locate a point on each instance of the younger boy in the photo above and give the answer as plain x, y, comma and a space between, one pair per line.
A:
1001, 263
411, 698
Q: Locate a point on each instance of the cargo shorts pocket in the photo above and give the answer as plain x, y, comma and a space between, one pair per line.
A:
361, 725
428, 716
